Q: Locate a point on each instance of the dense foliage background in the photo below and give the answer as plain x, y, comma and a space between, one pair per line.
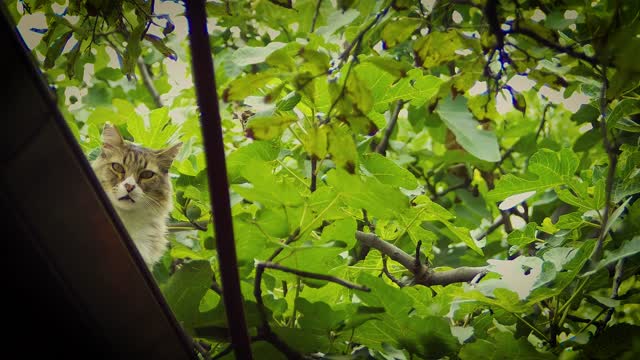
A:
469, 168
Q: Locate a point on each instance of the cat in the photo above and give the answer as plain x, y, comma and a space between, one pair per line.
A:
136, 181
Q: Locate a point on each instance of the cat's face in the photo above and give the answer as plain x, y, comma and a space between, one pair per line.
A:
135, 178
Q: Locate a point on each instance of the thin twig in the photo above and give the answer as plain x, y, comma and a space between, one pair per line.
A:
311, 275
315, 16
358, 39
417, 263
314, 165
386, 271
493, 227
384, 143
293, 237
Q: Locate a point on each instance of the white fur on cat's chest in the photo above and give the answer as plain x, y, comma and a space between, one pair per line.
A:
148, 236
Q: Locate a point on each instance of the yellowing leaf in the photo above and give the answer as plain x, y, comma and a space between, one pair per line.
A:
269, 127
399, 30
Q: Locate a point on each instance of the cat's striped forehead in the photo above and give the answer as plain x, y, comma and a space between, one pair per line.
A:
134, 157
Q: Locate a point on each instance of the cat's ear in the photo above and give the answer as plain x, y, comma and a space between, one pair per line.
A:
166, 156
111, 138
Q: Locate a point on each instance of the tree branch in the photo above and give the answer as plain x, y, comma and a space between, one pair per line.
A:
314, 165
494, 226
613, 161
550, 44
293, 237
148, 83
384, 143
315, 16
429, 277
386, 271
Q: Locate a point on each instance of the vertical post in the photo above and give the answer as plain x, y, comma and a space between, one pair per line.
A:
204, 80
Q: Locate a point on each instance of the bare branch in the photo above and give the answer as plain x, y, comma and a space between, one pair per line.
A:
429, 277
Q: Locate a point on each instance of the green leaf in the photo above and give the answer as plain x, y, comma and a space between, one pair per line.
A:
396, 68
628, 248
267, 188
133, 50
240, 88
388, 172
380, 200
54, 51
341, 230
186, 288
586, 113
161, 46
159, 132
547, 169
342, 148
209, 301
289, 101
399, 30
623, 108
249, 55
503, 345
482, 144
437, 48
316, 141
239, 159
523, 237
415, 87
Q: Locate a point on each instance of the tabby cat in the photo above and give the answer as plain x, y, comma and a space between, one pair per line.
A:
136, 180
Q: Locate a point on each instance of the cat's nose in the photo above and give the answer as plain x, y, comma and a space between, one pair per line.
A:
129, 187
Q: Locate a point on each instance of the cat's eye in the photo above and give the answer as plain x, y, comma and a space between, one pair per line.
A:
117, 168
146, 174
